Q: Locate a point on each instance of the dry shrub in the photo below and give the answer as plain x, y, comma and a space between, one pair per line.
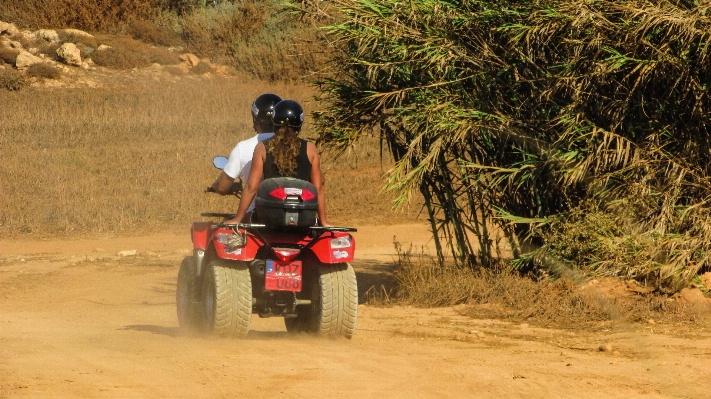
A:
120, 59
79, 40
12, 80
127, 53
150, 33
176, 70
49, 49
212, 32
92, 15
9, 55
162, 56
202, 68
421, 281
43, 70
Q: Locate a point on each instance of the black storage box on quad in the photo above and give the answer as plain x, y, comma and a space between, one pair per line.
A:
287, 202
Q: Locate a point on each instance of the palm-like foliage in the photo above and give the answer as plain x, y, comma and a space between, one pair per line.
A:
541, 118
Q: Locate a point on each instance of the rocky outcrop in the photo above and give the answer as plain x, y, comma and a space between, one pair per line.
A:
49, 35
26, 59
190, 59
69, 54
77, 33
8, 29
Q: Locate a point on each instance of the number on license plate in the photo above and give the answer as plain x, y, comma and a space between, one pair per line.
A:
283, 276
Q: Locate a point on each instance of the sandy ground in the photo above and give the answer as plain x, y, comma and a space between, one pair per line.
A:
79, 321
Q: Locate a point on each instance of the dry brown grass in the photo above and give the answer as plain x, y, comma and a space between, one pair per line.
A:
150, 33
11, 80
202, 68
563, 302
128, 53
93, 15
43, 70
136, 159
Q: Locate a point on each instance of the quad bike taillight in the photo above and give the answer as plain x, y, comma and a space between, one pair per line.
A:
282, 193
341, 242
286, 254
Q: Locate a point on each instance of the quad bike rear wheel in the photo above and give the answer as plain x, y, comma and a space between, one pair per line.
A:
187, 295
227, 299
334, 303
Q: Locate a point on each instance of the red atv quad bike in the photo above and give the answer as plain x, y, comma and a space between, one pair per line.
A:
284, 266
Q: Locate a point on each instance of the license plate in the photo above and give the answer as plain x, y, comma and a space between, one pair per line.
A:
283, 276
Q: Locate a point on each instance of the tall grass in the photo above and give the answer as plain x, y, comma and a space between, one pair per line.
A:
137, 158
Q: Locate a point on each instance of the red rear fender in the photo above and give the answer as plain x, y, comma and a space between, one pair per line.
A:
329, 249
201, 232
246, 253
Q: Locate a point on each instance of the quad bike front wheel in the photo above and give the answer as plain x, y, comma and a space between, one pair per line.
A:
227, 299
187, 295
334, 303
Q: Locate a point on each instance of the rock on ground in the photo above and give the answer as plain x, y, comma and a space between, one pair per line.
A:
7, 28
25, 59
49, 35
190, 59
69, 54
77, 32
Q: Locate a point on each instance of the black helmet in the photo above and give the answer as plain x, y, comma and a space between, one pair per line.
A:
263, 107
288, 113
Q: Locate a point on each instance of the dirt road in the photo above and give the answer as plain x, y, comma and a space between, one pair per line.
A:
77, 320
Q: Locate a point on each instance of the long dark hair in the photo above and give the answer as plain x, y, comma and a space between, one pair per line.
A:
284, 147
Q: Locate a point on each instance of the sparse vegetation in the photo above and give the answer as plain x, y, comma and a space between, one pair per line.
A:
501, 293
150, 33
127, 53
11, 80
250, 35
43, 70
201, 68
91, 15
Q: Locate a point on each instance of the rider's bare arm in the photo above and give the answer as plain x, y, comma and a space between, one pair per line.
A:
252, 185
318, 181
223, 184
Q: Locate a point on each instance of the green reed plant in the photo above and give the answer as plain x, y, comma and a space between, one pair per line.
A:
513, 117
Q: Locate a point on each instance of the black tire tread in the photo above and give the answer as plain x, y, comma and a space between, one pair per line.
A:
338, 301
233, 298
188, 309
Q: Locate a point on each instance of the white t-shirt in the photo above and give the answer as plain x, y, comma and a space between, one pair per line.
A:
240, 160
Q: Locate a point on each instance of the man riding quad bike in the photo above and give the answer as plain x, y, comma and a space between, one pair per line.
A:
285, 265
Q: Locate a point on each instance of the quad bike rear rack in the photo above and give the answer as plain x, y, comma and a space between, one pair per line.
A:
316, 231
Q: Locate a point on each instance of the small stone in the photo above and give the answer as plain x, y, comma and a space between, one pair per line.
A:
131, 252
480, 334
651, 321
605, 348
190, 59
569, 364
